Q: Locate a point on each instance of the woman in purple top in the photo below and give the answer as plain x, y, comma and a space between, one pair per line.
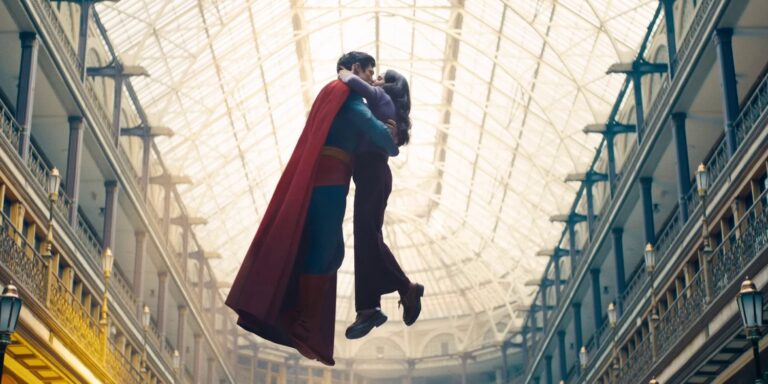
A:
376, 269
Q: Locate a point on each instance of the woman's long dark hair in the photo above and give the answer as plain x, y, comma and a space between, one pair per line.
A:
396, 86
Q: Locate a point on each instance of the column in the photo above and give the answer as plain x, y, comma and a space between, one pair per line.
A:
723, 39
209, 370
409, 371
110, 214
596, 298
577, 328
669, 20
463, 369
26, 91
683, 169
146, 151
74, 162
505, 362
138, 270
180, 334
118, 102
82, 42
184, 249
572, 250
617, 235
200, 278
351, 370
525, 350
544, 305
647, 201
162, 293
590, 207
561, 352
167, 210
196, 364
609, 146
639, 111
548, 369
558, 274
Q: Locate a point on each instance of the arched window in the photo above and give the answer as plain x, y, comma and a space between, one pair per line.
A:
442, 344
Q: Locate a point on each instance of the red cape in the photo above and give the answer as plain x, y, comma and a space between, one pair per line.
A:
266, 281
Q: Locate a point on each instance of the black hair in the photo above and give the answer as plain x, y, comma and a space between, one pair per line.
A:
349, 59
396, 86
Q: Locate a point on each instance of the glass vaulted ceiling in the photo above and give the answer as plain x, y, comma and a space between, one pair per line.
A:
500, 89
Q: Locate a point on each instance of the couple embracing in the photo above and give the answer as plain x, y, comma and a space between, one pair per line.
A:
285, 290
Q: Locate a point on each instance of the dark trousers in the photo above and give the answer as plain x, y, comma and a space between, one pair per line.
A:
376, 270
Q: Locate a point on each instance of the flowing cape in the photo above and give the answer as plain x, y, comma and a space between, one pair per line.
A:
266, 280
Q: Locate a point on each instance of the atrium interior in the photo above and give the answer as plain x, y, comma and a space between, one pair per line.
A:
584, 195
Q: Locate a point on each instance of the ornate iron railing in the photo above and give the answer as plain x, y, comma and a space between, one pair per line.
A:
726, 264
60, 36
637, 362
39, 169
87, 237
749, 236
692, 200
667, 236
123, 288
10, 128
28, 269
636, 285
752, 111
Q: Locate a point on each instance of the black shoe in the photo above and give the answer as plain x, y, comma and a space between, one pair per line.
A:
364, 322
411, 303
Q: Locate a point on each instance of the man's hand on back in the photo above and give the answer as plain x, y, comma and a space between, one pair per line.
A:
392, 125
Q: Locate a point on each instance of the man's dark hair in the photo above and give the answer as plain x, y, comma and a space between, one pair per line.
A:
349, 59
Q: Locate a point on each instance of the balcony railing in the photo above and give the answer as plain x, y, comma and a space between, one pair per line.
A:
88, 237
120, 367
752, 111
717, 161
726, 266
124, 289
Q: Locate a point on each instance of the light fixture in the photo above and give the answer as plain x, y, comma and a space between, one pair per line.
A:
653, 381
107, 260
612, 315
10, 307
750, 302
54, 178
583, 357
650, 258
145, 317
702, 179
176, 360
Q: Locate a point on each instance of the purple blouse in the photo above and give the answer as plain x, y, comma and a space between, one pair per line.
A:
379, 103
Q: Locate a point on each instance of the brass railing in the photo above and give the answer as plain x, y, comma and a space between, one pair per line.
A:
69, 312
28, 269
120, 367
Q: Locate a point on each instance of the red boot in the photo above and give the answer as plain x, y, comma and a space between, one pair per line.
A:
307, 315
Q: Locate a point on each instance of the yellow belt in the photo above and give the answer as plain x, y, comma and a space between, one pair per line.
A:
337, 153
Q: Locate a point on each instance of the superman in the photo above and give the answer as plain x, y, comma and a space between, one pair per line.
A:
285, 290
